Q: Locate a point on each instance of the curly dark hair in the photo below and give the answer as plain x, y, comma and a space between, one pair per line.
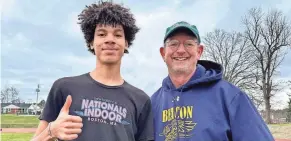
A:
107, 13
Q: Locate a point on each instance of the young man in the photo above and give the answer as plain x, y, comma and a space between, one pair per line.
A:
99, 105
194, 102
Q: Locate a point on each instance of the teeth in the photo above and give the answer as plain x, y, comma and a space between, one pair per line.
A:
180, 58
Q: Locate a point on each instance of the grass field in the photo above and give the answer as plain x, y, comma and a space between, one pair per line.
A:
21, 121
14, 121
16, 136
279, 131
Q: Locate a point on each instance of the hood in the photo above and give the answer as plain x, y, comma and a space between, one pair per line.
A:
206, 72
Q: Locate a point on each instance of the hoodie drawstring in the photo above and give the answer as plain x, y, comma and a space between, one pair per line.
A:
177, 104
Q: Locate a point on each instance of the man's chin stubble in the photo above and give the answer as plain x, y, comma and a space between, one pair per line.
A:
181, 71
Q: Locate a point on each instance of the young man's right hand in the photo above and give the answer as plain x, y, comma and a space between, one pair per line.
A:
66, 127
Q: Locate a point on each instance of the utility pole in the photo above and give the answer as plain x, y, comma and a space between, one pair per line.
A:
37, 90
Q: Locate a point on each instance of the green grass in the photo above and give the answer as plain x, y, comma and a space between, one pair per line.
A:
20, 121
16, 136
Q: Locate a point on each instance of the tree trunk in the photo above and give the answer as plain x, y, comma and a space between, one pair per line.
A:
269, 33
267, 100
268, 110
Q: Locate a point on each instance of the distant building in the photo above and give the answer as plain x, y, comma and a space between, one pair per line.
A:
34, 109
277, 116
20, 108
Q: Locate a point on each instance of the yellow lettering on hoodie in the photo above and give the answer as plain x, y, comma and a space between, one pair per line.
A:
177, 113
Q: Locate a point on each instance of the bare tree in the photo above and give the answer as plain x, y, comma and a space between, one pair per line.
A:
289, 90
289, 102
268, 34
14, 95
232, 51
17, 100
41, 103
10, 94
5, 95
256, 96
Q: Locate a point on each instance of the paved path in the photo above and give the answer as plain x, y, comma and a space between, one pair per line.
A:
32, 130
18, 130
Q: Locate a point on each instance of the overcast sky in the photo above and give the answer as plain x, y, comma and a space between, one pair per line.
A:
41, 40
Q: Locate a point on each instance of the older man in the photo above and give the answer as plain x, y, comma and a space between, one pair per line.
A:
194, 102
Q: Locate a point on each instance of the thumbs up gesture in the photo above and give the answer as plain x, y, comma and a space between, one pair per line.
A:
66, 127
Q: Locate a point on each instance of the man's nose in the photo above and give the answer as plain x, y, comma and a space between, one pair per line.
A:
110, 39
181, 49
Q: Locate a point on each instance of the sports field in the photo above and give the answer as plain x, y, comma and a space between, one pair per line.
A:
14, 122
21, 121
16, 136
281, 131
21, 128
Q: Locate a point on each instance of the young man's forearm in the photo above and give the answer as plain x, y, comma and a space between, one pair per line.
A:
43, 136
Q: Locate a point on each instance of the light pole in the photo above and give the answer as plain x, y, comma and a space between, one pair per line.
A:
37, 90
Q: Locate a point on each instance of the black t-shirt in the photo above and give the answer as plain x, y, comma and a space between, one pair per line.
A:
109, 113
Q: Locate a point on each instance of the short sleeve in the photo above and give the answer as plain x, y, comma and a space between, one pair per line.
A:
145, 124
53, 103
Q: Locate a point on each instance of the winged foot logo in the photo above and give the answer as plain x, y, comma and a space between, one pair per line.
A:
179, 123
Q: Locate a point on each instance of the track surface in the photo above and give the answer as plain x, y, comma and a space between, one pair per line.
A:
32, 130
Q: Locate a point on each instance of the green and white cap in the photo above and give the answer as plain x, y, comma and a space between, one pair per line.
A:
192, 28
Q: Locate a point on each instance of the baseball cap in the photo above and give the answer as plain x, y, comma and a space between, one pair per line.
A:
179, 25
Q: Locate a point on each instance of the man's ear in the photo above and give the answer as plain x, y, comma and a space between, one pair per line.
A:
162, 52
126, 47
126, 44
200, 50
91, 45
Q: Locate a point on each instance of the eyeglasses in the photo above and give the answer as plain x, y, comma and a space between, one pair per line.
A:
174, 44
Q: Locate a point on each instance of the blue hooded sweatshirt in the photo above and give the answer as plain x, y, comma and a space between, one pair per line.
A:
206, 108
